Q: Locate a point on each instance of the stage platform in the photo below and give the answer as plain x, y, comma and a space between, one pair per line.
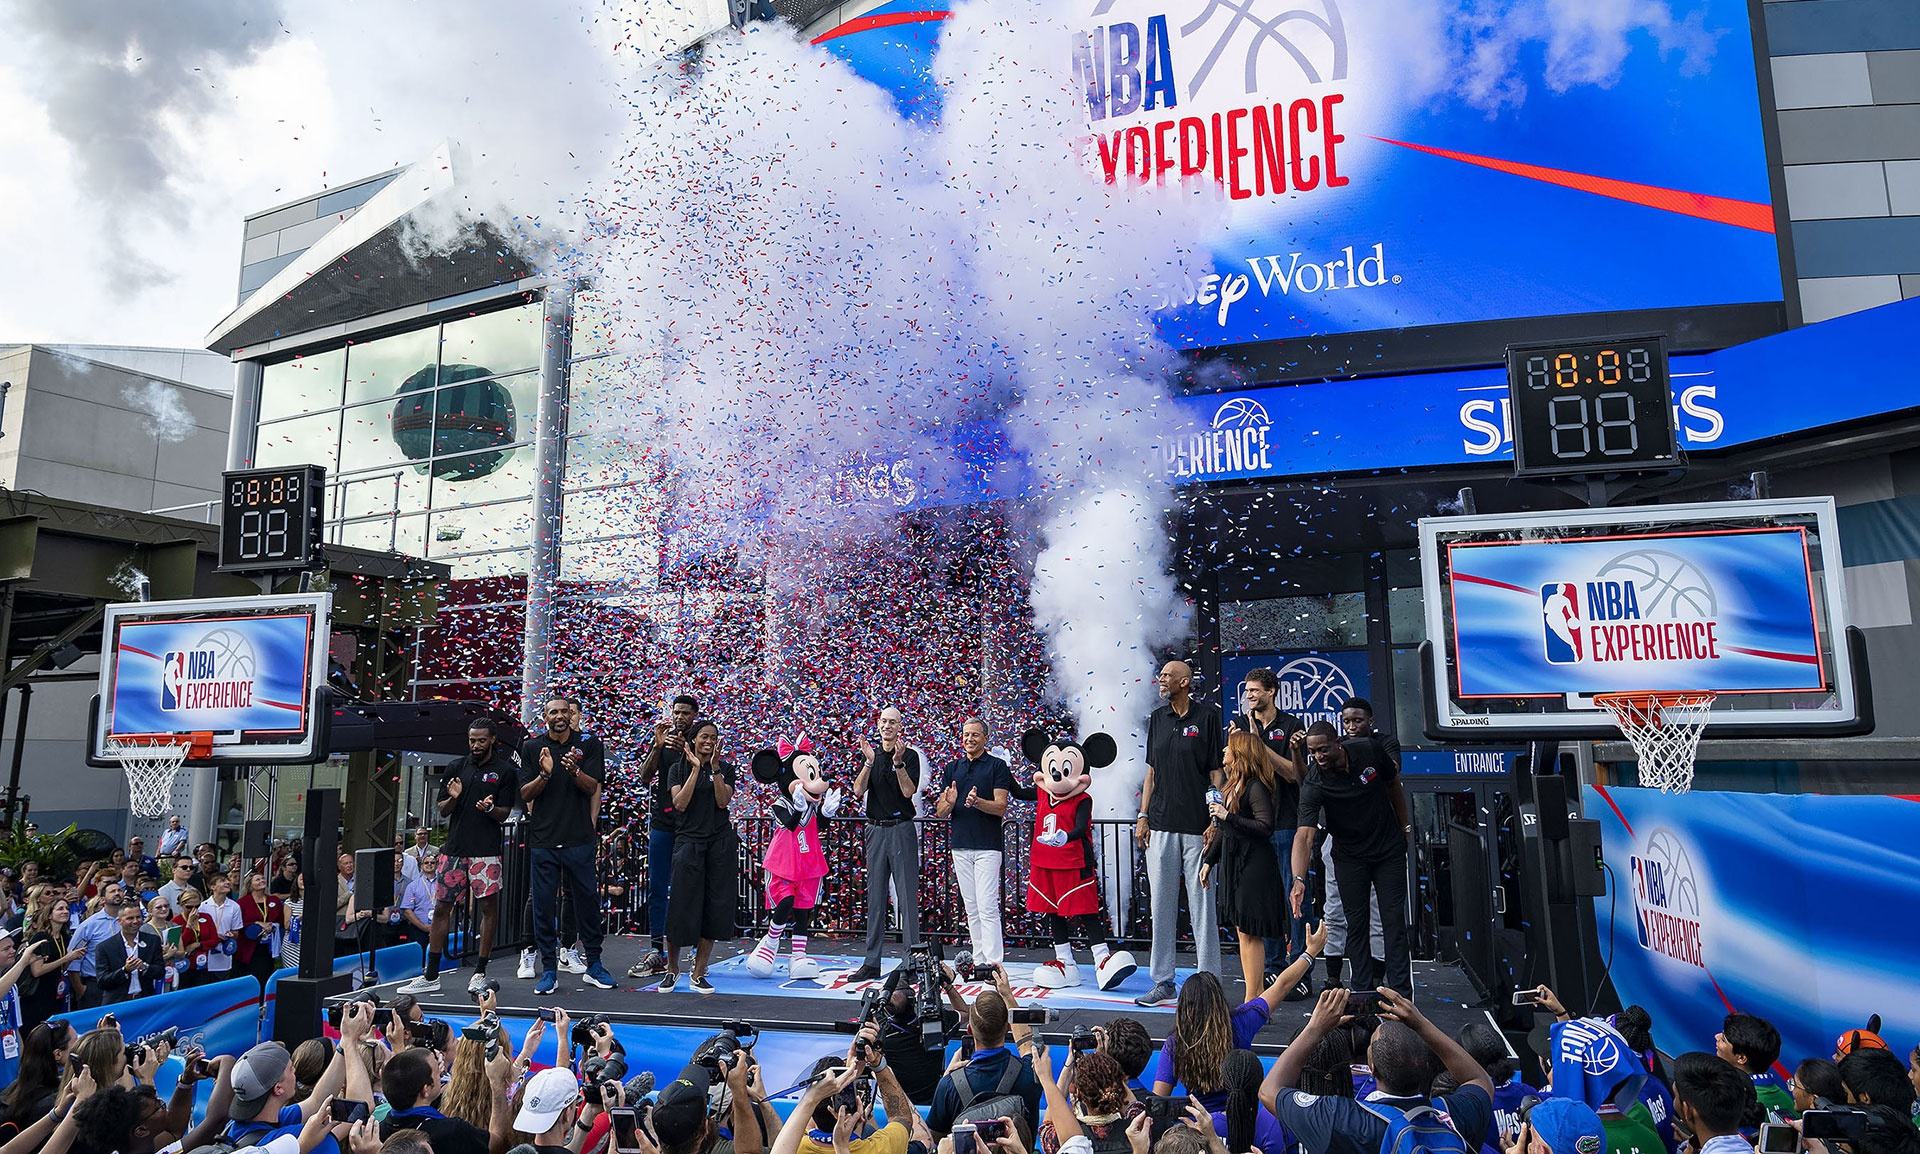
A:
779, 1003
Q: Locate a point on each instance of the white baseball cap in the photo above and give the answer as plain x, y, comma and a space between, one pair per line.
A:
548, 1093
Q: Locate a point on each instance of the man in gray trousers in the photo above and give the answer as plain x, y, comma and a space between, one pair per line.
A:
1184, 746
889, 778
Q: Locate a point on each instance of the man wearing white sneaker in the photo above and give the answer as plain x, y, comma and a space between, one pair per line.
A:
476, 795
561, 772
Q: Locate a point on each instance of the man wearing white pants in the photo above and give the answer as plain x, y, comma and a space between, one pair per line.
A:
1184, 743
974, 791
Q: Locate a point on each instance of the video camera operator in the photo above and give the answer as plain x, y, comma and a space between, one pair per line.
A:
915, 1047
996, 1081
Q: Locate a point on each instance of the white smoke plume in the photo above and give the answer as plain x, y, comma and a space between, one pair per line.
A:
122, 84
172, 422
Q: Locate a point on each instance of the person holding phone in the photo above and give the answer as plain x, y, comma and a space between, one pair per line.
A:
561, 773
662, 822
1559, 1126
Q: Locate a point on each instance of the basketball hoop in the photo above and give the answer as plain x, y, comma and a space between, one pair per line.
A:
151, 763
1665, 731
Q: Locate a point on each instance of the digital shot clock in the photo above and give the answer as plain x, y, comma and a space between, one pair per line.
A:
1582, 407
271, 519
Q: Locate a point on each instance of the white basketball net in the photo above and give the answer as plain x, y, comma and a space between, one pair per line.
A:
1665, 731
151, 765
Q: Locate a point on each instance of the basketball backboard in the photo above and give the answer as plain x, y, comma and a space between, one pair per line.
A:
1530, 615
247, 671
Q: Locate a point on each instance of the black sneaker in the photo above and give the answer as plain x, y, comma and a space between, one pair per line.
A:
1302, 990
866, 972
701, 985
1160, 995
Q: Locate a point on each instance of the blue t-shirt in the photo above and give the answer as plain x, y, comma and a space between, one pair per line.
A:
1658, 1100
1247, 1018
1507, 1100
973, 828
289, 1121
1345, 1126
11, 1037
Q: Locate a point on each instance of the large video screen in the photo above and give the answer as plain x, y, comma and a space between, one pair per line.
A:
1391, 166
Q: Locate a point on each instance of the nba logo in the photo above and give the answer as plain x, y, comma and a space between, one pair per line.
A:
173, 674
1560, 622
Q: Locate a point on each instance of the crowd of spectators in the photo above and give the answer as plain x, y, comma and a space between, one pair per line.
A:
1368, 1074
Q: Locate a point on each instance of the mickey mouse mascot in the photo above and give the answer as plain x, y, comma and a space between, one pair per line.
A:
795, 860
1064, 884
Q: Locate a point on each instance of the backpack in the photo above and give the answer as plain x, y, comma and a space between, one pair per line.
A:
1001, 1103
1416, 1130
1114, 1141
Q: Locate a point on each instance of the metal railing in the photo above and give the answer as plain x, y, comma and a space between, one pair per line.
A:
842, 910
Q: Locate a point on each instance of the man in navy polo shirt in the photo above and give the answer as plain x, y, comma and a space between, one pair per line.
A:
974, 793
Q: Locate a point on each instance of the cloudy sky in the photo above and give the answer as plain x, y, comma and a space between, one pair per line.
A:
134, 137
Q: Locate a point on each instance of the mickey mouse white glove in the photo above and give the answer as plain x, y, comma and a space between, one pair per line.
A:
830, 805
1056, 839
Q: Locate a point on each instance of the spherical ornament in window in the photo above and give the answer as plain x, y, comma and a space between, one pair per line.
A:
456, 411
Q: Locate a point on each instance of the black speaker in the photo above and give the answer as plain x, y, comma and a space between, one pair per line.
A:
257, 840
1550, 791
322, 874
300, 1001
1583, 842
372, 879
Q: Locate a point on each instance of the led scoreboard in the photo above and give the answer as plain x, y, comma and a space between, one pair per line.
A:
270, 519
1591, 407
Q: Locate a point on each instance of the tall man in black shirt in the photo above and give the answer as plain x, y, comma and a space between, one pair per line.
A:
1261, 717
560, 777
476, 795
1184, 746
888, 779
1355, 788
656, 771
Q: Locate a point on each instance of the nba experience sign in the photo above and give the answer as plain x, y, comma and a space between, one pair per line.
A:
242, 673
1388, 165
1724, 610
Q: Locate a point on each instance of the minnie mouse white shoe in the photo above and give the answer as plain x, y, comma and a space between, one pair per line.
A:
803, 967
1056, 975
1115, 968
760, 961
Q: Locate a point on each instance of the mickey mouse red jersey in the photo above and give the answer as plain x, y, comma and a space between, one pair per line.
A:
1063, 880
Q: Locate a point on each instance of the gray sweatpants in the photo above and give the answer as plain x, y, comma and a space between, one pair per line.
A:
1173, 860
893, 861
1336, 914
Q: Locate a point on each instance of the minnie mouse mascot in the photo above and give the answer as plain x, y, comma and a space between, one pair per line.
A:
1064, 884
795, 860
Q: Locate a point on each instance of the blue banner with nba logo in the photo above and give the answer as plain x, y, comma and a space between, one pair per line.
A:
1796, 908
244, 673
1313, 685
1724, 610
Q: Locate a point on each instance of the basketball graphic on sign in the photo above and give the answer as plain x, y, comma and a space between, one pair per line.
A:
1313, 686
1669, 585
1240, 413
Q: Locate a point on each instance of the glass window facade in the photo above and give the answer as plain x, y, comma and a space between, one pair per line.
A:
426, 435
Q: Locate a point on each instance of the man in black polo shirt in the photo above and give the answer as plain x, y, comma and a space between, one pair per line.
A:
1184, 744
974, 792
1259, 715
1354, 787
656, 771
888, 779
1356, 720
560, 777
476, 795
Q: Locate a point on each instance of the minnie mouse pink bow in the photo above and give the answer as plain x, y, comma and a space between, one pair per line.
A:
788, 749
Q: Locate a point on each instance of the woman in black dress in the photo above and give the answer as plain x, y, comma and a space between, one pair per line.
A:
1240, 850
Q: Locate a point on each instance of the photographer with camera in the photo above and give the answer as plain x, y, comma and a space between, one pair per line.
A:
843, 1124
996, 1080
261, 1086
914, 1022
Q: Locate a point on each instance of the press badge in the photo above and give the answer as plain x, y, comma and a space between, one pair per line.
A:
10, 1045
